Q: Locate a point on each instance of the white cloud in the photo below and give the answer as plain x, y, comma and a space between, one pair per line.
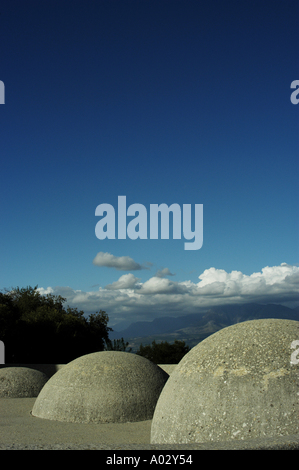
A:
157, 285
121, 263
127, 281
132, 300
271, 281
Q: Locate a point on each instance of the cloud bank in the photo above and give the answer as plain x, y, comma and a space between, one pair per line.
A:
131, 300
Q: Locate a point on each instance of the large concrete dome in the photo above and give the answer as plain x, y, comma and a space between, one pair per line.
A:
239, 383
21, 382
102, 387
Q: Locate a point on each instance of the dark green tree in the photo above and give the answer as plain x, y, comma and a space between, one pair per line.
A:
117, 345
164, 352
38, 328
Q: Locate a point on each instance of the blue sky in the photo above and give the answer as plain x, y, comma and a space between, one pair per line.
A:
183, 102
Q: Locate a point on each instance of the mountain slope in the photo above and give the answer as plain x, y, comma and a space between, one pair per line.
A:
195, 327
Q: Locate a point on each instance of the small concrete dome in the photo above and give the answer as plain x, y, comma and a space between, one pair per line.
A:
21, 382
241, 382
102, 387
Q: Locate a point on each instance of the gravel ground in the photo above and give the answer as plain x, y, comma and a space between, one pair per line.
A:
284, 443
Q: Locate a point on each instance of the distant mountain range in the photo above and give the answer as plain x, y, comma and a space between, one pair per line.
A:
194, 328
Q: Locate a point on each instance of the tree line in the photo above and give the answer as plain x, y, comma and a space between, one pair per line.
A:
38, 328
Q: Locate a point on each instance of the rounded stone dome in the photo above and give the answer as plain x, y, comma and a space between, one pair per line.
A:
21, 382
239, 383
102, 387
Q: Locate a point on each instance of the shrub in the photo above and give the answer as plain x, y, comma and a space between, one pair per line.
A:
164, 352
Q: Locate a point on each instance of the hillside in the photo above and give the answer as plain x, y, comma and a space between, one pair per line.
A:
194, 328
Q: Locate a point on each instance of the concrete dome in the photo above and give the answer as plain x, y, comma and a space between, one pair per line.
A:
239, 383
102, 387
21, 382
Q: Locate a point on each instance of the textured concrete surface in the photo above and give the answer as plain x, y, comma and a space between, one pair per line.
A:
21, 382
239, 383
20, 430
48, 369
102, 387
